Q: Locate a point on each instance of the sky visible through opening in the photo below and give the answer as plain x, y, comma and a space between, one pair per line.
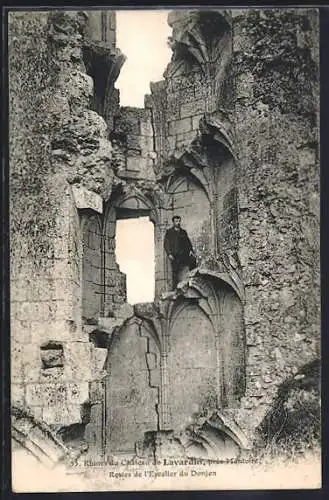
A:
142, 36
135, 256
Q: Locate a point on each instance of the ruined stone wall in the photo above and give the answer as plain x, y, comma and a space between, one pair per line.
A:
177, 112
197, 83
196, 80
58, 150
192, 366
132, 387
92, 269
267, 190
103, 61
276, 64
248, 195
115, 292
227, 205
133, 143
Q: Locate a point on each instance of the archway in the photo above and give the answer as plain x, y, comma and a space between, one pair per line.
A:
92, 268
135, 256
131, 231
132, 388
190, 201
192, 365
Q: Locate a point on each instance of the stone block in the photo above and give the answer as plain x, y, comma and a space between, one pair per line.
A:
21, 331
63, 414
287, 297
20, 290
61, 270
17, 362
244, 85
108, 324
185, 139
252, 339
46, 394
155, 378
60, 246
59, 330
134, 142
195, 121
77, 361
114, 276
180, 126
146, 128
98, 359
17, 393
94, 430
151, 360
96, 392
151, 155
36, 310
135, 163
146, 144
118, 299
171, 143
84, 198
32, 363
78, 393
187, 94
37, 412
252, 313
53, 375
307, 157
195, 107
125, 311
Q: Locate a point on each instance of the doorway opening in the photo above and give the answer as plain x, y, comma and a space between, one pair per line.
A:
135, 256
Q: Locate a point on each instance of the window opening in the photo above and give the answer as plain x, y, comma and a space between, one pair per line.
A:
135, 257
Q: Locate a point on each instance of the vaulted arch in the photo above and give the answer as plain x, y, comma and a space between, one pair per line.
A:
92, 267
192, 364
132, 387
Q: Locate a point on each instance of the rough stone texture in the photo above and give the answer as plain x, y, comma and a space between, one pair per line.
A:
55, 140
267, 196
131, 393
52, 355
92, 269
276, 119
134, 144
191, 365
294, 419
213, 435
194, 84
104, 285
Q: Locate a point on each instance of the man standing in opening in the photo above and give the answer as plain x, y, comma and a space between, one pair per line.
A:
179, 249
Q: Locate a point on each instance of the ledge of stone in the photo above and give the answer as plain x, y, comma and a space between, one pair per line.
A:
84, 198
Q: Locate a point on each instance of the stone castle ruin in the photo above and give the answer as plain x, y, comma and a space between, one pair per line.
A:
229, 140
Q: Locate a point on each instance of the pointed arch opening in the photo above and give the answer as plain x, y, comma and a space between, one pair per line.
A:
135, 254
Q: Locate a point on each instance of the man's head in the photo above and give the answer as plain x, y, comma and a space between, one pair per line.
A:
176, 220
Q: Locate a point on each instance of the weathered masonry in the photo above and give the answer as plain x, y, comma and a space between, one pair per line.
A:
228, 140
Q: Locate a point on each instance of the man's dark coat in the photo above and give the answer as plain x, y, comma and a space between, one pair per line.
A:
178, 244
